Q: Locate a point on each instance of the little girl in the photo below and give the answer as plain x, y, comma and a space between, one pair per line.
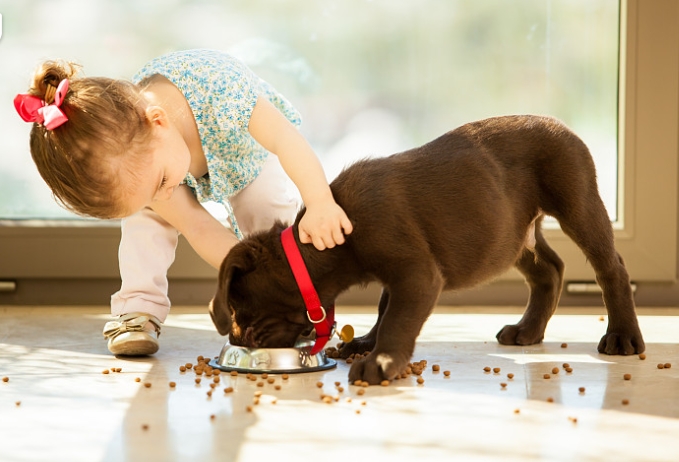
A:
192, 126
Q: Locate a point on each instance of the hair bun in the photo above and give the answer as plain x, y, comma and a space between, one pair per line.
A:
47, 77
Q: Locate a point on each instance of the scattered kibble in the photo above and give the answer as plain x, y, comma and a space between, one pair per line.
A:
446, 373
486, 369
581, 389
667, 365
265, 376
550, 400
105, 371
228, 390
555, 370
234, 373
137, 379
189, 366
17, 404
627, 376
384, 383
496, 370
270, 380
569, 369
510, 376
144, 427
661, 366
546, 376
277, 387
197, 380
642, 356
285, 376
319, 384
173, 384
216, 379
435, 368
5, 379
182, 368
517, 411
503, 385
209, 393
601, 318
573, 419
147, 384
361, 391
566, 365
248, 408
260, 384
420, 380
625, 402
564, 345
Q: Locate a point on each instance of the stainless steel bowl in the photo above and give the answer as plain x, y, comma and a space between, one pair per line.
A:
272, 360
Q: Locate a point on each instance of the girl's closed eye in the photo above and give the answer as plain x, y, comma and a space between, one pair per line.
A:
163, 182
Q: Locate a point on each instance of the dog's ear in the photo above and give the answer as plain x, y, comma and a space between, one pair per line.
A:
239, 258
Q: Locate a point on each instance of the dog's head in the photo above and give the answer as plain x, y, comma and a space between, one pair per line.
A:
257, 302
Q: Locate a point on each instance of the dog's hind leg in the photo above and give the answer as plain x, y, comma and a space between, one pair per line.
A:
360, 345
587, 223
543, 270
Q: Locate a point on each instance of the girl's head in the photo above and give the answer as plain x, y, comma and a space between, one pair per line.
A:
90, 161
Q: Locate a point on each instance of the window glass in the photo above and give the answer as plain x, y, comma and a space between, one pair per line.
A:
370, 77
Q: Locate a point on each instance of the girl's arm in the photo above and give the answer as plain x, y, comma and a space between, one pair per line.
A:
324, 223
208, 237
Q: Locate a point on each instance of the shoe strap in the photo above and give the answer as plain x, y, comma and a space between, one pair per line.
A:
131, 322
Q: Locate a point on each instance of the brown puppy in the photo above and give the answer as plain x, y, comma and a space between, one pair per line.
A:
451, 214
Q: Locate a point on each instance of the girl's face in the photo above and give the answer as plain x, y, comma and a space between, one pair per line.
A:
169, 161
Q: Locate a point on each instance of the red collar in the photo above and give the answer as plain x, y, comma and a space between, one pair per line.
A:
323, 321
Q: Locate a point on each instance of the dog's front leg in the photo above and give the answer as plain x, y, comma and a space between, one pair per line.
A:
360, 345
410, 304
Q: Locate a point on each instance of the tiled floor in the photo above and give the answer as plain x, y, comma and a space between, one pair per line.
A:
59, 406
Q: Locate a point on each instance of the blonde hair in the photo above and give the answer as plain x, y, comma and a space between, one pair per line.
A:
81, 159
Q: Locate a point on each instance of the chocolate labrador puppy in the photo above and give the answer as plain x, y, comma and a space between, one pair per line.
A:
451, 214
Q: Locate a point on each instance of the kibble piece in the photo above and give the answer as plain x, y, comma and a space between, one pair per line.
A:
233, 373
147, 384
137, 379
517, 411
105, 371
248, 408
173, 384
627, 376
360, 391
285, 376
435, 368
503, 385
145, 427
213, 385
496, 370
566, 365
209, 393
661, 366
197, 380
17, 404
420, 380
260, 384
277, 387
555, 370
327, 399
384, 383
189, 365
667, 365
601, 318
365, 384
182, 368
319, 384
228, 390
546, 376
642, 356
446, 373
258, 394
270, 380
213, 417
265, 376
573, 419
564, 345
569, 369
510, 376
216, 379
581, 389
486, 369
550, 400
5, 379
625, 402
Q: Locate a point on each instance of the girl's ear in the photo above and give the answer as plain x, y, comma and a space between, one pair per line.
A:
157, 115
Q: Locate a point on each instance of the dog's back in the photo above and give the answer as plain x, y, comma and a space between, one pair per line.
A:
469, 195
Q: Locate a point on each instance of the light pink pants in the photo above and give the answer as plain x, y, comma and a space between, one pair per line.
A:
148, 243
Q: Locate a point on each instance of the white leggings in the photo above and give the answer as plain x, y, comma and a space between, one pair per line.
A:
148, 243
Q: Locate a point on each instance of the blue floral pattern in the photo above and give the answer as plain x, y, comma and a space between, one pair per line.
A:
221, 91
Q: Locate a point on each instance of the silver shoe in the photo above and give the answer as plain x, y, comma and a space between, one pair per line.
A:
128, 335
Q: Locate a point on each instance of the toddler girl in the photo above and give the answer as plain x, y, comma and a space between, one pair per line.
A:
192, 126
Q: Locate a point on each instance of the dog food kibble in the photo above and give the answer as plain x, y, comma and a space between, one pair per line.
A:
661, 366
566, 365
265, 376
517, 411
145, 427
172, 384
550, 400
285, 376
384, 383
189, 365
365, 384
625, 402
573, 419
270, 380
277, 387
233, 373
182, 368
627, 376
260, 384
555, 370
486, 369
248, 408
147, 384
213, 417
503, 385
581, 389
510, 376
667, 365
5, 379
601, 318
216, 379
209, 393
137, 379
564, 345
420, 380
435, 368
361, 391
496, 370
569, 369
213, 385
546, 376
642, 356
446, 373
17, 404
105, 371
327, 399
319, 384
228, 390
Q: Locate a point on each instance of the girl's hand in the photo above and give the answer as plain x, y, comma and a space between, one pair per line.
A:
324, 225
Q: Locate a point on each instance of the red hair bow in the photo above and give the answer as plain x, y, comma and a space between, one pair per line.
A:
33, 109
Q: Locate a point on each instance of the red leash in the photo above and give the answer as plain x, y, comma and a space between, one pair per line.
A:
324, 321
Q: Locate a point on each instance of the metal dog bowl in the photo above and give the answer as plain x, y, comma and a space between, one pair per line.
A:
272, 360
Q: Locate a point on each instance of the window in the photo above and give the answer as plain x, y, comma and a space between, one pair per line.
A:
372, 78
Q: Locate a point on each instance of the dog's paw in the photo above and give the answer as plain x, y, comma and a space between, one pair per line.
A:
359, 345
620, 343
517, 334
375, 368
